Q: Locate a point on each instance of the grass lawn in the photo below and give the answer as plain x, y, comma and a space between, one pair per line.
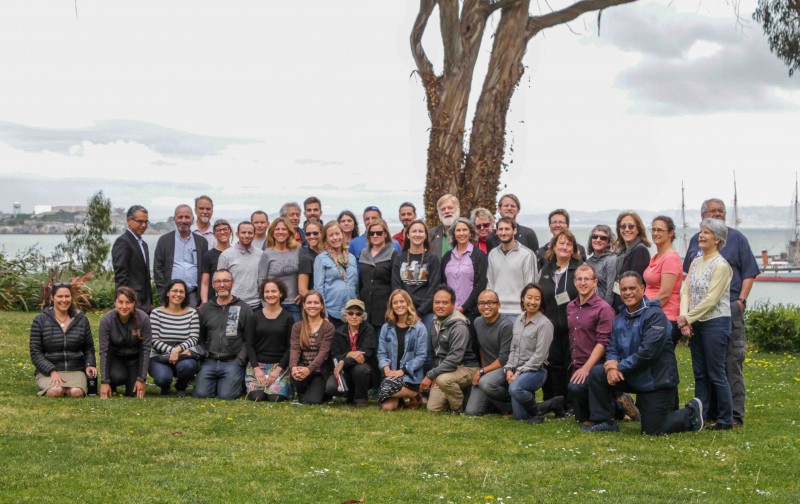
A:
188, 450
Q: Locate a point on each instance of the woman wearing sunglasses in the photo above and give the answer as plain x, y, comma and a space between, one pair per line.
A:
632, 250
603, 260
353, 355
305, 269
375, 272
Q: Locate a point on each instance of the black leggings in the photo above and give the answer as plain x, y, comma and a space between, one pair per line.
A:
358, 380
311, 390
259, 395
123, 371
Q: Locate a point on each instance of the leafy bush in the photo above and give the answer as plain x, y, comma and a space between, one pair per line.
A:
21, 279
774, 328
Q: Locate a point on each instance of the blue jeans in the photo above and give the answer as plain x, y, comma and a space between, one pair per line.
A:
523, 392
491, 395
708, 345
294, 311
220, 379
184, 370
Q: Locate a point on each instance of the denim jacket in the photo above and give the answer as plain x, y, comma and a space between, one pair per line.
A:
328, 281
416, 349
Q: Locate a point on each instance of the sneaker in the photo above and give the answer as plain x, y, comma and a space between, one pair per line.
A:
626, 401
695, 406
721, 426
607, 426
536, 420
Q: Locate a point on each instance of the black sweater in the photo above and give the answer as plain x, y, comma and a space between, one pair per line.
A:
270, 341
375, 282
420, 281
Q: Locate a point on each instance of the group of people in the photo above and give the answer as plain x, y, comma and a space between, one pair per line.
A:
472, 316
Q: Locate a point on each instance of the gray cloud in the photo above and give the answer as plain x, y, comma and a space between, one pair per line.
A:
165, 141
742, 76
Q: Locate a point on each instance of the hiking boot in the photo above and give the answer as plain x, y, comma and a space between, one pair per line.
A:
555, 405
607, 426
626, 401
536, 420
695, 406
722, 426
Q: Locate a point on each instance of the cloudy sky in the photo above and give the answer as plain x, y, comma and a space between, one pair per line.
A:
259, 102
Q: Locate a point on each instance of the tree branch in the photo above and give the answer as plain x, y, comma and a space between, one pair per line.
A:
424, 65
539, 23
501, 4
451, 35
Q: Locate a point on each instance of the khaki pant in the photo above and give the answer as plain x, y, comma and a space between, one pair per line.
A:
448, 392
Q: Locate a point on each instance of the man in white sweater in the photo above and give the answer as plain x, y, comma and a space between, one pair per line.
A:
511, 267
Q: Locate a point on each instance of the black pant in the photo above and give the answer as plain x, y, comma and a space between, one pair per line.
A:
311, 390
657, 410
557, 368
358, 383
123, 371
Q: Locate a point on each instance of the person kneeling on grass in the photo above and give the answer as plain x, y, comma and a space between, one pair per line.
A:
225, 324
353, 352
402, 349
125, 339
62, 349
454, 360
640, 359
309, 350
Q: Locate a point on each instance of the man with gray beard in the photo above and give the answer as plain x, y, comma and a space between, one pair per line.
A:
449, 210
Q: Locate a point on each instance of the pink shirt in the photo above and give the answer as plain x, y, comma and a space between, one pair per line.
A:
670, 263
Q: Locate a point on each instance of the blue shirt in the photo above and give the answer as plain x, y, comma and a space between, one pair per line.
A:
184, 262
335, 290
359, 243
738, 254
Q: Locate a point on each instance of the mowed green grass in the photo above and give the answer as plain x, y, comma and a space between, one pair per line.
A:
188, 450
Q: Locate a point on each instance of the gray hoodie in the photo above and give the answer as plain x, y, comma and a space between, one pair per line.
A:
451, 346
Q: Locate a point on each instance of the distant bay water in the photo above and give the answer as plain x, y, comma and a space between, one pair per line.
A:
771, 239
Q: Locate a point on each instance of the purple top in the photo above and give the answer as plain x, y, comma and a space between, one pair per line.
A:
589, 324
461, 274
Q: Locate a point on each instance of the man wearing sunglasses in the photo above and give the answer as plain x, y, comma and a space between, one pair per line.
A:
130, 257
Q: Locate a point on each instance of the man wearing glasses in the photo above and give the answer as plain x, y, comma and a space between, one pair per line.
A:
558, 220
225, 324
130, 258
489, 386
179, 255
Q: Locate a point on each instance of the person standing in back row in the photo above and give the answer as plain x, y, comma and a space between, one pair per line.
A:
130, 257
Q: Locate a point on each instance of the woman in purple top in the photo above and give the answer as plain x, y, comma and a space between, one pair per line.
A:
464, 267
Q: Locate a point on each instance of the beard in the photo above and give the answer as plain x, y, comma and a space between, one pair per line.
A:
204, 220
447, 221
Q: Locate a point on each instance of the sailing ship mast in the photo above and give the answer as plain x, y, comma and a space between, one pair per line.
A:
736, 219
683, 219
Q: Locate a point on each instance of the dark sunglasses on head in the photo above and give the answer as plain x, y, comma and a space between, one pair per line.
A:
599, 237
59, 285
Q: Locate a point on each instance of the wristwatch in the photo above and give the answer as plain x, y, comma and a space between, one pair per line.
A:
743, 301
481, 372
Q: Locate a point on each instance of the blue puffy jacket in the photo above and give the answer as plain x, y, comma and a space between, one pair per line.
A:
641, 342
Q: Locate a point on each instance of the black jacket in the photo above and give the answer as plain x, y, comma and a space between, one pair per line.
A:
55, 350
365, 342
165, 256
132, 269
559, 356
375, 282
480, 265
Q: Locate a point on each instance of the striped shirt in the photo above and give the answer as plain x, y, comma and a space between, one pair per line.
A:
170, 330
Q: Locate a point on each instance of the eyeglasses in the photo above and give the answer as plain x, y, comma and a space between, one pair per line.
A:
376, 233
627, 226
584, 280
312, 233
490, 304
222, 281
657, 230
485, 225
558, 222
140, 221
599, 237
355, 313
223, 230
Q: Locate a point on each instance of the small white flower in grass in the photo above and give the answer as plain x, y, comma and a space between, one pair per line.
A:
762, 492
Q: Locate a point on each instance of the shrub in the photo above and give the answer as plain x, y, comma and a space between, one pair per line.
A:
774, 328
21, 279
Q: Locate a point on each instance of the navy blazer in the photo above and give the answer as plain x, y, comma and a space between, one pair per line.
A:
132, 269
165, 256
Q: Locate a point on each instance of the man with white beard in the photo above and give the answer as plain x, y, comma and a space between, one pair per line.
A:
204, 210
449, 211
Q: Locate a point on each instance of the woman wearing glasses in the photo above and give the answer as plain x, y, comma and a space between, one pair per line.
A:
222, 232
632, 250
61, 345
305, 268
663, 275
464, 267
353, 356
603, 260
375, 272
176, 328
